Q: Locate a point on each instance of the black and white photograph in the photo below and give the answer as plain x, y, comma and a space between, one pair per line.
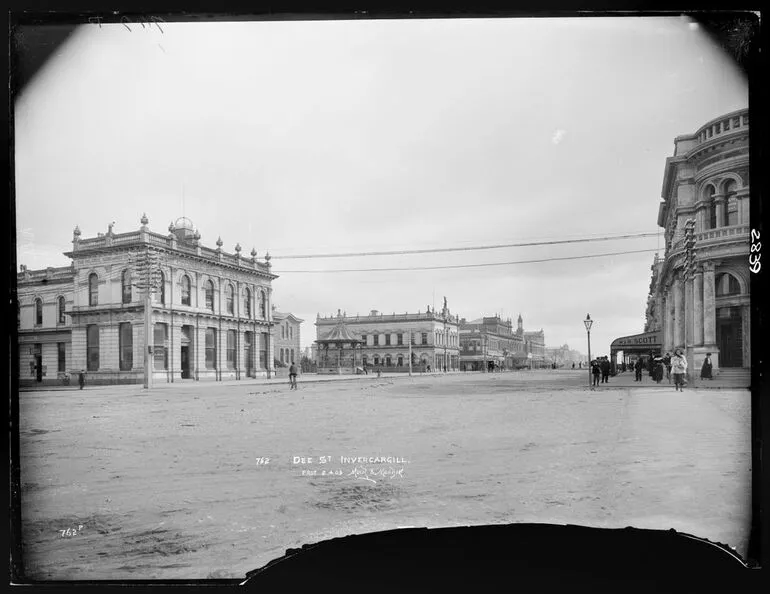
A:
285, 280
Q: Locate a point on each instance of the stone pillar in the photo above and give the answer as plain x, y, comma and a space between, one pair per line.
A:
689, 318
668, 327
746, 321
719, 200
709, 305
678, 312
697, 307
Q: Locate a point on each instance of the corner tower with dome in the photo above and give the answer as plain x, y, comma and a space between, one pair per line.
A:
210, 313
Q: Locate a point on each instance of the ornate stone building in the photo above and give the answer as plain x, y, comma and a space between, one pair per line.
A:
381, 341
210, 314
699, 291
491, 340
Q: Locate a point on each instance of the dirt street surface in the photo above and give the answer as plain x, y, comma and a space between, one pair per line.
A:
169, 485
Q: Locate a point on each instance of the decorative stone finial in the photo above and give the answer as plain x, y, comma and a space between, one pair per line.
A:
144, 220
197, 235
219, 243
76, 232
253, 253
267, 260
171, 227
238, 248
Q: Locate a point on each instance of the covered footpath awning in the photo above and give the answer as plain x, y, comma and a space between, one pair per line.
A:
638, 344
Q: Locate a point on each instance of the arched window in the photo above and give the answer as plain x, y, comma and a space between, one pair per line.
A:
247, 303
209, 298
160, 291
92, 347
93, 289
731, 203
262, 304
727, 284
712, 207
230, 299
62, 306
125, 284
185, 290
38, 312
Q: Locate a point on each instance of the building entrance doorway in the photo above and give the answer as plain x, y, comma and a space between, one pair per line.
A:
186, 359
730, 336
39, 368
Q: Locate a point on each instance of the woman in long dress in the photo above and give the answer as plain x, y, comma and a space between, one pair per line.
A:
705, 371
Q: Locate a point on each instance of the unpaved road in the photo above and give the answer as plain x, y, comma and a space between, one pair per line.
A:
167, 485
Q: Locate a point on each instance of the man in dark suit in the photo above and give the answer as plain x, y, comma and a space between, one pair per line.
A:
605, 366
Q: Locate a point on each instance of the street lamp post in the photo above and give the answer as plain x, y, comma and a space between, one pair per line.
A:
589, 322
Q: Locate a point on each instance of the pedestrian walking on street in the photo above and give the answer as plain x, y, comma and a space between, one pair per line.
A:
667, 363
638, 370
678, 368
82, 378
705, 371
293, 377
596, 370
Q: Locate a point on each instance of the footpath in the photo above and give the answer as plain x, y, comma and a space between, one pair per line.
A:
723, 382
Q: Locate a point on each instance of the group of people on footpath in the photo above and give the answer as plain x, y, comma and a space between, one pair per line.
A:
674, 366
600, 367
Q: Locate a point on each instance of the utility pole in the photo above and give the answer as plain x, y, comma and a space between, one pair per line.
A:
410, 353
146, 269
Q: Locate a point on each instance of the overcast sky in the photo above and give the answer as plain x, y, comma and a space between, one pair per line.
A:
310, 137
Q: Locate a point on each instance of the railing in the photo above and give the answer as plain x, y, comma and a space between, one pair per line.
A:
389, 317
720, 232
738, 121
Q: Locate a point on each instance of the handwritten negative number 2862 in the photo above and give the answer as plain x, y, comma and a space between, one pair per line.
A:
755, 254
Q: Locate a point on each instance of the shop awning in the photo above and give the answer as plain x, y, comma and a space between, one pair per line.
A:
638, 343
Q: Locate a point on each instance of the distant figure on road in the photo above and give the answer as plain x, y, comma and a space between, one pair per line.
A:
605, 368
679, 368
82, 378
705, 371
596, 370
573, 365
638, 370
293, 377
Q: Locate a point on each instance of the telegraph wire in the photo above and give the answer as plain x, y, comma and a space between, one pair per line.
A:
466, 265
465, 249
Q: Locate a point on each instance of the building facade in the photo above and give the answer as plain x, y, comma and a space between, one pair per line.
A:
286, 338
699, 291
208, 318
44, 323
490, 341
383, 341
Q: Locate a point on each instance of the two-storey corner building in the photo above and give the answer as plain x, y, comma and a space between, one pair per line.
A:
383, 341
535, 346
490, 342
699, 294
44, 324
209, 314
286, 338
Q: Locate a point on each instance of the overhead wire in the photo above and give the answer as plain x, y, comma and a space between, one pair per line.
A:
465, 248
454, 266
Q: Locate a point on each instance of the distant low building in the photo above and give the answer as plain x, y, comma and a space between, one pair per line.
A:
490, 341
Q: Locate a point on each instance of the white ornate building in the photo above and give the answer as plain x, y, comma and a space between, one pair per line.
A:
699, 293
210, 315
381, 340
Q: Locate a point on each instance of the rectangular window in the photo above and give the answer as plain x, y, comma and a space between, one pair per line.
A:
231, 349
376, 340
159, 348
126, 346
399, 339
62, 355
92, 347
387, 339
211, 348
363, 338
424, 338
